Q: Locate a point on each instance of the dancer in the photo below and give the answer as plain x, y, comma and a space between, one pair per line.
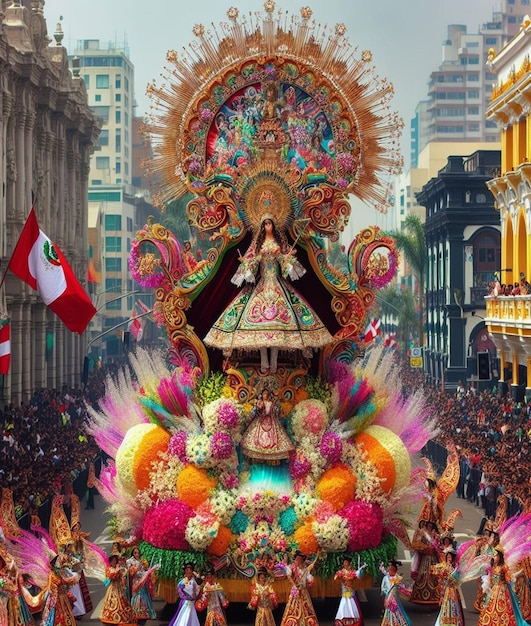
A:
189, 591
299, 608
271, 314
263, 599
214, 600
349, 612
265, 439
140, 581
394, 612
451, 612
116, 608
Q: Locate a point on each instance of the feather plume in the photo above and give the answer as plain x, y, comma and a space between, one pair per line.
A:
515, 539
96, 561
32, 557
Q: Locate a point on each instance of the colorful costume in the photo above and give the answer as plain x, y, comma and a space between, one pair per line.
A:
214, 600
501, 605
140, 583
394, 613
426, 588
186, 615
264, 600
58, 600
116, 608
348, 612
299, 608
7, 591
265, 439
451, 612
271, 314
522, 587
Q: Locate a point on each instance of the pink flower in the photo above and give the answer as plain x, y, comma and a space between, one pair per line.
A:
229, 481
299, 466
221, 445
228, 416
365, 522
323, 511
177, 445
331, 447
165, 524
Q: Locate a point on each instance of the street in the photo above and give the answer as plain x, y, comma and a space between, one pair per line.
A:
238, 614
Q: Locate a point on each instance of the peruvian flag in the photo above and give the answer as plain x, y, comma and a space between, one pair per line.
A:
39, 262
372, 331
5, 345
135, 327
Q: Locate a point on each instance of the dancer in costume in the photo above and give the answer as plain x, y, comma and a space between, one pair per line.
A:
8, 589
140, 588
265, 439
270, 314
263, 599
116, 608
189, 591
58, 599
214, 600
501, 606
299, 608
451, 612
426, 585
394, 613
349, 612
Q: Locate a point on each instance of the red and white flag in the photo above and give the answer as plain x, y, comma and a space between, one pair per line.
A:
136, 327
39, 262
390, 340
5, 345
372, 331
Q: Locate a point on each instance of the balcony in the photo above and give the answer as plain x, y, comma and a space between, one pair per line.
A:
508, 319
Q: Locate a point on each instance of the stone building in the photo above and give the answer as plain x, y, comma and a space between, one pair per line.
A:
47, 133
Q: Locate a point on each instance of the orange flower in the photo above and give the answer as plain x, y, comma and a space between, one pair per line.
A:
194, 485
221, 542
337, 486
305, 538
152, 443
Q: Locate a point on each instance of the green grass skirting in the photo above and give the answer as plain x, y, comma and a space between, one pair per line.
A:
172, 562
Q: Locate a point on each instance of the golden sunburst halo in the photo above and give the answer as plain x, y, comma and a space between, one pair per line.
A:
337, 128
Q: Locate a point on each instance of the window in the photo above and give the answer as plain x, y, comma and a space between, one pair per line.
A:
118, 140
126, 168
118, 97
490, 124
487, 252
118, 167
113, 222
512, 18
129, 225
524, 3
102, 81
102, 163
97, 97
473, 61
126, 84
491, 41
102, 112
473, 94
113, 244
103, 139
118, 116
86, 80
473, 110
118, 81
456, 95
113, 264
473, 128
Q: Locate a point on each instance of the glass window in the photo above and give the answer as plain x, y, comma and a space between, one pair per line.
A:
118, 166
118, 140
113, 244
97, 97
102, 112
113, 264
113, 222
118, 81
86, 80
103, 139
118, 97
126, 84
117, 116
102, 163
102, 81
129, 225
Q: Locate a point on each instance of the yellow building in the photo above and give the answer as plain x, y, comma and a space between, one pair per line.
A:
509, 316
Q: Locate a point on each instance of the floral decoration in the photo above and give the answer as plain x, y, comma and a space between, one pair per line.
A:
365, 522
163, 533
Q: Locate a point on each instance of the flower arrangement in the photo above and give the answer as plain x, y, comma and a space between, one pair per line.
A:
309, 417
146, 269
263, 506
337, 485
365, 523
165, 524
194, 485
332, 535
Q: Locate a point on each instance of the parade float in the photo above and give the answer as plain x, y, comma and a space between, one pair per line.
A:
234, 450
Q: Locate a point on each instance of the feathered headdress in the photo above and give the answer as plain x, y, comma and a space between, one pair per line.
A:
60, 532
515, 539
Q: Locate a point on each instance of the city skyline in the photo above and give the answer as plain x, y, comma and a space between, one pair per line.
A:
406, 43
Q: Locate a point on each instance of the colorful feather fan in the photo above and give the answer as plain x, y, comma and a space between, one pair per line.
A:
33, 557
515, 539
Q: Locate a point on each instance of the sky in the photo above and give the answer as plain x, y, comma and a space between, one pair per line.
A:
404, 36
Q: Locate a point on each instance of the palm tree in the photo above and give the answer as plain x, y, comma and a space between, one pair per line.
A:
401, 306
412, 242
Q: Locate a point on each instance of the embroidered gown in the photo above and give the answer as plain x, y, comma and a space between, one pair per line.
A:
214, 600
394, 612
348, 612
265, 438
451, 612
140, 590
299, 608
264, 600
116, 608
501, 606
186, 615
270, 314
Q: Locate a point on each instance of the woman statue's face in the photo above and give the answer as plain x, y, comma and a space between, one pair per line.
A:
268, 226
265, 394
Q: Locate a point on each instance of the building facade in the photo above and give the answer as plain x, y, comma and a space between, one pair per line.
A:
463, 249
509, 316
47, 135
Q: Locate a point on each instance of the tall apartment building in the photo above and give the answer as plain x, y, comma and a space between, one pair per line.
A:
108, 74
459, 91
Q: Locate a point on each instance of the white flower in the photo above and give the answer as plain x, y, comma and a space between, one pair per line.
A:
332, 535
